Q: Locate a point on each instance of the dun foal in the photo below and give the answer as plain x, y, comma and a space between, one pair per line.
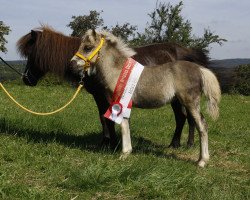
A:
157, 86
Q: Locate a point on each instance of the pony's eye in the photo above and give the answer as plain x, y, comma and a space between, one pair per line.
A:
87, 48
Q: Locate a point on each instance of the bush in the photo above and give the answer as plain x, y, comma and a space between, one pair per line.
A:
242, 79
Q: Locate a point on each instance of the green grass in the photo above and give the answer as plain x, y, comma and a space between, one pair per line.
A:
60, 157
8, 74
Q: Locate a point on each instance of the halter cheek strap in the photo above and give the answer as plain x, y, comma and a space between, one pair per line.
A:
93, 53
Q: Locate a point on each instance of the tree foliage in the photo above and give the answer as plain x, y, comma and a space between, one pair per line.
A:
125, 31
80, 24
242, 80
4, 30
207, 39
166, 25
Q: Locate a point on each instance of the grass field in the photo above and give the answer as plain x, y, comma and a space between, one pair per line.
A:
9, 74
60, 157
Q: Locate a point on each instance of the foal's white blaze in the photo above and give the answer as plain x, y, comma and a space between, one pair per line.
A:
79, 62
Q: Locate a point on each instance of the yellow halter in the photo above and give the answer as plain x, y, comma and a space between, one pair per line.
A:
88, 59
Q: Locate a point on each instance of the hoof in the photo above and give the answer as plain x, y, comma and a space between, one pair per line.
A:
174, 145
124, 156
107, 142
201, 163
190, 144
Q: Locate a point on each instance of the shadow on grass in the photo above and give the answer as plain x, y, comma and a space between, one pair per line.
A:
89, 141
145, 146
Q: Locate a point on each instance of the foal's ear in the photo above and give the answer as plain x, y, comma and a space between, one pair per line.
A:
94, 33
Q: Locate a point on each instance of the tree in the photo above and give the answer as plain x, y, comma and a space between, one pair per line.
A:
242, 80
125, 31
207, 39
4, 30
81, 24
168, 25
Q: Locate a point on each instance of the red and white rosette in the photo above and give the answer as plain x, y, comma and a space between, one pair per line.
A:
121, 101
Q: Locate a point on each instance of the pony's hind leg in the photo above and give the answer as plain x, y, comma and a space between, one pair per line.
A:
180, 119
126, 139
191, 124
201, 126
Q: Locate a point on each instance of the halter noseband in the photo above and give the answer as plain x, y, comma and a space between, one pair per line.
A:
88, 59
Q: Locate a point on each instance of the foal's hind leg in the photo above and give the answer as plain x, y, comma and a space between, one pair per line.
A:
180, 119
201, 125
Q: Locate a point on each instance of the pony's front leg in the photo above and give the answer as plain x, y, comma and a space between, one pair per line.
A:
108, 131
126, 139
108, 127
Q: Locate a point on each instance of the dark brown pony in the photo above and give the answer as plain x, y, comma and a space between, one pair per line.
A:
49, 51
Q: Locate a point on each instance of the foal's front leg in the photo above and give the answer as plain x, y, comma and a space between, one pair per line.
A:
126, 139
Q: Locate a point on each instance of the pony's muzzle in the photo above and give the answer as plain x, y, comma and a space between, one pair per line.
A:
30, 81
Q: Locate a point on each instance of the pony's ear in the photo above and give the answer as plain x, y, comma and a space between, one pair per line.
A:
34, 34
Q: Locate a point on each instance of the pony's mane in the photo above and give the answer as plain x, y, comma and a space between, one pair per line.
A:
50, 50
119, 43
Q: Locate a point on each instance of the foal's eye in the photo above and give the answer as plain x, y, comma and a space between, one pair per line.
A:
87, 48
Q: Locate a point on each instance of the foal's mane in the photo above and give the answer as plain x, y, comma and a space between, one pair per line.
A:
50, 50
121, 46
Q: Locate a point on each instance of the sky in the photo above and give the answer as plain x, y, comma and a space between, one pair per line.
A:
227, 18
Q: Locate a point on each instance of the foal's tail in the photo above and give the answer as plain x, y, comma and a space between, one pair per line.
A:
211, 89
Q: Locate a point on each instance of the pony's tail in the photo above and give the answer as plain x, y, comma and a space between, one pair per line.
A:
211, 89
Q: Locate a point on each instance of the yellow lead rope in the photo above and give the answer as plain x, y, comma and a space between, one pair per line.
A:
46, 113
